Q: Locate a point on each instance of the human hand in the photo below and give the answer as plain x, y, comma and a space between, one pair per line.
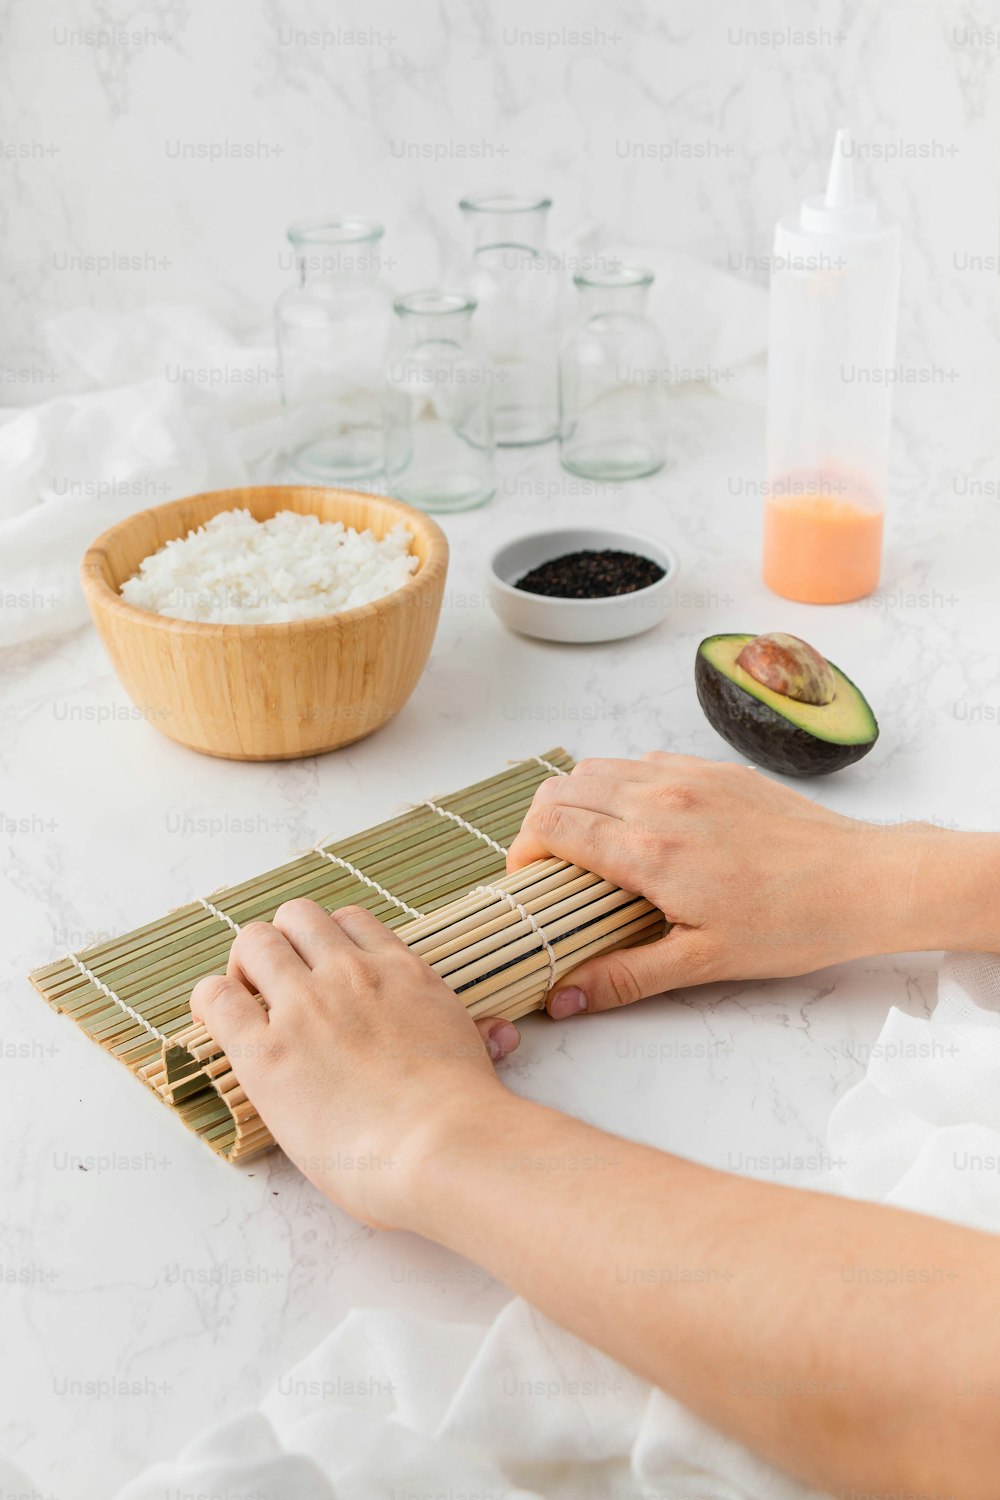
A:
757, 880
350, 1047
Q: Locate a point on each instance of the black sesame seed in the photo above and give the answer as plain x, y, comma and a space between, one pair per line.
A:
591, 575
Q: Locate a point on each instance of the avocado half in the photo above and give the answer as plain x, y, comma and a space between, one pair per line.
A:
775, 731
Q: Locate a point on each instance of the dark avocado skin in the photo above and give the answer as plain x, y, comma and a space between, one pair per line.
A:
763, 736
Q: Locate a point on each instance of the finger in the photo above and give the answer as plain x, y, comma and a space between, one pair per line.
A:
310, 929
528, 844
600, 794
607, 794
235, 1018
622, 770
593, 840
263, 959
500, 1038
614, 979
366, 931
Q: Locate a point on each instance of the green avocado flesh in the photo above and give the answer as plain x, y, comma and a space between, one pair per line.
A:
773, 730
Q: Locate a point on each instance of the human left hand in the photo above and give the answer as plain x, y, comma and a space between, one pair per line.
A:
351, 1048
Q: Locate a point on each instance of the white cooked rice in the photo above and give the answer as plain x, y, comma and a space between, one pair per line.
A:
238, 571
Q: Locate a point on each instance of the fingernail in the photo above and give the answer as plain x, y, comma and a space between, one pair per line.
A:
502, 1040
568, 1002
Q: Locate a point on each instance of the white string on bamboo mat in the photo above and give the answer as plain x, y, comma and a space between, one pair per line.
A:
115, 999
443, 812
345, 864
220, 914
549, 766
515, 905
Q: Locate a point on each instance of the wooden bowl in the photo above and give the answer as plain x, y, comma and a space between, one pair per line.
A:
268, 692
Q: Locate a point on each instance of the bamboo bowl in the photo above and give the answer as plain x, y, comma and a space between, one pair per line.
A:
268, 692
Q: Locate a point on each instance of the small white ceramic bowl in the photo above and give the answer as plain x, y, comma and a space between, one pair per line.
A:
578, 620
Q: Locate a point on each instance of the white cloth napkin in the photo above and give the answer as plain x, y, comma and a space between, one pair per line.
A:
155, 404
523, 1409
414, 1406
922, 1130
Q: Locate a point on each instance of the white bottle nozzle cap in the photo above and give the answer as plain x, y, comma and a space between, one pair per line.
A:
839, 211
840, 181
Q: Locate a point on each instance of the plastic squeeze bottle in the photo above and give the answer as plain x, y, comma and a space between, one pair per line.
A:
834, 300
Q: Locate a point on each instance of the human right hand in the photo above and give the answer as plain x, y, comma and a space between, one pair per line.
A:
757, 880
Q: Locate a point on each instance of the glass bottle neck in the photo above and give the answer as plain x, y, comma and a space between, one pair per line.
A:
438, 317
435, 330
602, 300
339, 252
507, 223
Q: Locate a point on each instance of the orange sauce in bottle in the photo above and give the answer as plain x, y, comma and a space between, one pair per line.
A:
821, 550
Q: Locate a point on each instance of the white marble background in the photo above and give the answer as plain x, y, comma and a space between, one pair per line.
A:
201, 1284
678, 123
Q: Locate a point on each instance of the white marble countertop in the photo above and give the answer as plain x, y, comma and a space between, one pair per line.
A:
129, 1253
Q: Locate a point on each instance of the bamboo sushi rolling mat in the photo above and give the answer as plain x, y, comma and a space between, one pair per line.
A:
436, 874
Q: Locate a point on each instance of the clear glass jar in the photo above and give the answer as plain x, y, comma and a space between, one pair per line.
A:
438, 406
332, 331
613, 380
512, 279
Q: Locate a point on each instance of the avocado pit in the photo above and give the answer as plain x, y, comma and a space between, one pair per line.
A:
789, 666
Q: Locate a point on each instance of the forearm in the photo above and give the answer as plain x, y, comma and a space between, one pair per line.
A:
795, 1321
902, 888
949, 890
